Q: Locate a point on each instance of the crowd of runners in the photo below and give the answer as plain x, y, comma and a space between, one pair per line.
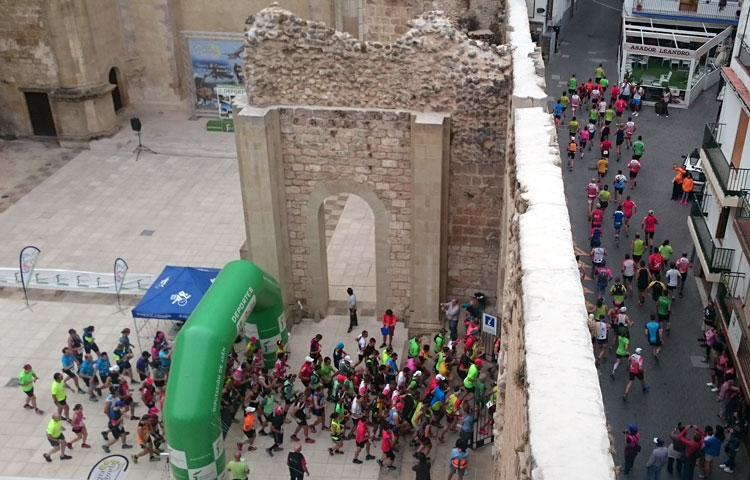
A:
109, 378
647, 274
369, 396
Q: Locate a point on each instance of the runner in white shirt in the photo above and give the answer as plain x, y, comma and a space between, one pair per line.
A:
673, 278
361, 345
683, 264
602, 329
623, 318
630, 129
575, 102
592, 191
597, 257
628, 272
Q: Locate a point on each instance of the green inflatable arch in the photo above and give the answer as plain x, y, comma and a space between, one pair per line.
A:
245, 299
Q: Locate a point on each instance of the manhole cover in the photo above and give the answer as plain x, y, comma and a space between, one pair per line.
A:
147, 233
13, 382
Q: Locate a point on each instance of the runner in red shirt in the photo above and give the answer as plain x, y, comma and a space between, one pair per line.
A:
629, 207
655, 263
649, 226
596, 216
620, 106
605, 145
614, 93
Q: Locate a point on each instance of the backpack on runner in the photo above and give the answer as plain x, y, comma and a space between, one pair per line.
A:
601, 276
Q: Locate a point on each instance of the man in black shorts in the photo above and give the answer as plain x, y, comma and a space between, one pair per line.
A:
56, 438
115, 427
298, 413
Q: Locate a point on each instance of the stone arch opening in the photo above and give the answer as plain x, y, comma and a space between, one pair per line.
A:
350, 250
118, 98
315, 242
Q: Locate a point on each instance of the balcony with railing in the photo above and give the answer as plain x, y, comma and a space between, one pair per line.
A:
712, 11
741, 224
729, 301
728, 182
714, 260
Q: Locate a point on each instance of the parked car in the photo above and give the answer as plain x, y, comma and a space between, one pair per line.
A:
693, 164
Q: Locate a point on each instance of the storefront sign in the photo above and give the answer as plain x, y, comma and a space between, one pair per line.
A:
654, 50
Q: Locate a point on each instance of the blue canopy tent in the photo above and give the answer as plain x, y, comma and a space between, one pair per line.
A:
173, 295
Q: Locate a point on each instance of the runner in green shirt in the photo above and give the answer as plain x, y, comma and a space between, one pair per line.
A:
573, 127
56, 438
664, 309
665, 250
572, 84
604, 83
439, 341
593, 116
26, 380
639, 247
623, 344
237, 468
414, 347
599, 73
58, 396
638, 148
609, 115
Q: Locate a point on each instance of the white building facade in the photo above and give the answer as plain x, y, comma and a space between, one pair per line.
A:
719, 220
676, 44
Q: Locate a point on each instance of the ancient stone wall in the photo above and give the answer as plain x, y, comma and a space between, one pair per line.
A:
386, 20
432, 68
26, 59
373, 148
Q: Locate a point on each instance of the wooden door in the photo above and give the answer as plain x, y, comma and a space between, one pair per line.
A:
739, 140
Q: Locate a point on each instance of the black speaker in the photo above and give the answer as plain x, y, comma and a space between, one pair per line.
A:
135, 124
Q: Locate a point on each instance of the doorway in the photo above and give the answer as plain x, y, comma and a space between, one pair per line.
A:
40, 114
350, 252
116, 94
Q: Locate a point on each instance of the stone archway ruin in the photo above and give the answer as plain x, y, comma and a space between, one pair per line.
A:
314, 242
416, 127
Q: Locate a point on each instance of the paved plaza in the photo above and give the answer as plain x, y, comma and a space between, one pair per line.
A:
95, 206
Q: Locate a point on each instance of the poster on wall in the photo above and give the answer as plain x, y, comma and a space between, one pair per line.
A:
214, 62
224, 96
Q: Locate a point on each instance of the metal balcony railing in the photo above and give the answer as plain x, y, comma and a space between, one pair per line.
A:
690, 9
743, 56
718, 259
743, 212
732, 180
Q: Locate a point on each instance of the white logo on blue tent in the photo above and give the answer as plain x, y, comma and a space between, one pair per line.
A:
162, 283
180, 298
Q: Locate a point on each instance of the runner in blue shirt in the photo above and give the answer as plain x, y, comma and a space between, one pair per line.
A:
558, 112
653, 332
618, 218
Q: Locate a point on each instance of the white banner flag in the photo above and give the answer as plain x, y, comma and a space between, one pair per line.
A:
27, 261
29, 256
121, 269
